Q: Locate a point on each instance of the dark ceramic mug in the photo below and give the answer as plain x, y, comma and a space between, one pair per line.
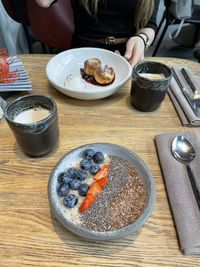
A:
33, 120
150, 81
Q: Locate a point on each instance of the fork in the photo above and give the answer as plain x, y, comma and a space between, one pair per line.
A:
191, 84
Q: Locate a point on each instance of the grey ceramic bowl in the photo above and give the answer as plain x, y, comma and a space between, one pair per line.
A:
111, 149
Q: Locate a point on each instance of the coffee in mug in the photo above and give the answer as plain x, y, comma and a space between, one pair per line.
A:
150, 81
32, 115
34, 122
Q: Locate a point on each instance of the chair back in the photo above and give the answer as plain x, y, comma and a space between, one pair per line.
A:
17, 10
52, 26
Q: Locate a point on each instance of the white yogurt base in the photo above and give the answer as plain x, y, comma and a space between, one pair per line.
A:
73, 214
74, 82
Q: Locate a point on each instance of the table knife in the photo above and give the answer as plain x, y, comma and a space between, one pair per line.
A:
191, 84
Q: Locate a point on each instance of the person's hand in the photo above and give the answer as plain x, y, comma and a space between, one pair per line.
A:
134, 50
44, 3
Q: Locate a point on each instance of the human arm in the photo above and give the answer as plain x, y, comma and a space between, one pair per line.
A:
135, 47
44, 3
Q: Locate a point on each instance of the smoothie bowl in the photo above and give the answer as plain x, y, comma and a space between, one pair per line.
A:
101, 191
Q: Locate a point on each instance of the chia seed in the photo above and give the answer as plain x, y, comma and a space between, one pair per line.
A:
120, 203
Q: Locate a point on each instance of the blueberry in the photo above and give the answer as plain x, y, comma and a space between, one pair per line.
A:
71, 172
64, 178
83, 189
98, 157
70, 201
63, 190
88, 153
94, 169
85, 164
81, 175
74, 184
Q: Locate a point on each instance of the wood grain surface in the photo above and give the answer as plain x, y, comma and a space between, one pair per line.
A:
31, 236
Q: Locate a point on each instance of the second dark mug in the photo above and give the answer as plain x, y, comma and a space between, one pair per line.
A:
150, 81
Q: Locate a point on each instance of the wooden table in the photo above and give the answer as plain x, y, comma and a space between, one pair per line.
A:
31, 236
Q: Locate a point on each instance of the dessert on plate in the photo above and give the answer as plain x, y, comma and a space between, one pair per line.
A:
97, 73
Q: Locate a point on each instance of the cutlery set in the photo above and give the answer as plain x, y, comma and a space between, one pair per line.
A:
194, 101
181, 148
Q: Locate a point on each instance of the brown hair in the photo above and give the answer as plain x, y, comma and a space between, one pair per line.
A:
143, 11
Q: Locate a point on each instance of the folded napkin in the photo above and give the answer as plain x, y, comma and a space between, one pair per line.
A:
21, 82
184, 110
186, 212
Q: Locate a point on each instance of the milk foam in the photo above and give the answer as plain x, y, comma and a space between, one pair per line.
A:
153, 76
32, 115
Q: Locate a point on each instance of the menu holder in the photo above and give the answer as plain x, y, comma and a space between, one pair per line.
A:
19, 83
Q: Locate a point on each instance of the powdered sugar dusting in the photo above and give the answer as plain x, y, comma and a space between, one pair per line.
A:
74, 82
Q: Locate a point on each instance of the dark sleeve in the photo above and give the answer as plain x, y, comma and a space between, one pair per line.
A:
153, 20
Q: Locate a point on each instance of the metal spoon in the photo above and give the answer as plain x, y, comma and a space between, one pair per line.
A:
184, 152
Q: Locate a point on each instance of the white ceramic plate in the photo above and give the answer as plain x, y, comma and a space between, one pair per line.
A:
71, 61
73, 156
